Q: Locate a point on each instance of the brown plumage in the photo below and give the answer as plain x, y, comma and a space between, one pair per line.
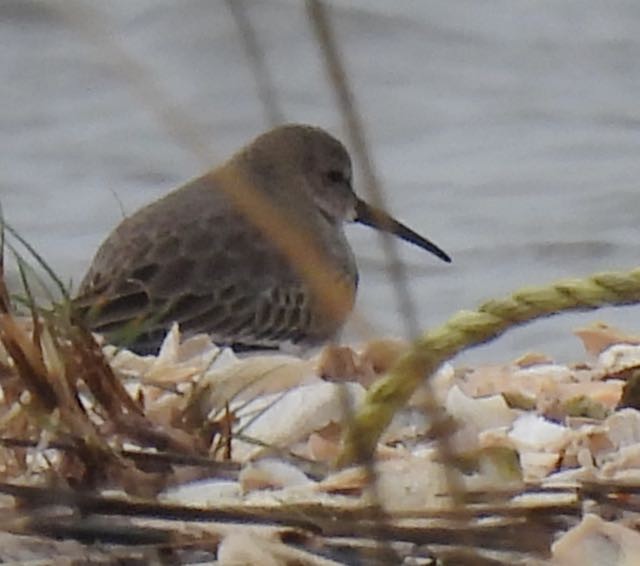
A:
200, 255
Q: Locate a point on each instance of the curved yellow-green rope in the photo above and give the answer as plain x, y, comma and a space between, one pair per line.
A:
471, 328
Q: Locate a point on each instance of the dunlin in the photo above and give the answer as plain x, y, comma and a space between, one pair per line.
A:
235, 252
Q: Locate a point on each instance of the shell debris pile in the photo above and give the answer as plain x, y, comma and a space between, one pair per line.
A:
533, 446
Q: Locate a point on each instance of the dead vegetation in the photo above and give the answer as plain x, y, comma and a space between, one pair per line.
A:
197, 456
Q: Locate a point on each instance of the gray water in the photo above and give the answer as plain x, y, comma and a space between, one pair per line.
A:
508, 132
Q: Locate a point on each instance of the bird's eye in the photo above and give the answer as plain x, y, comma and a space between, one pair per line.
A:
335, 176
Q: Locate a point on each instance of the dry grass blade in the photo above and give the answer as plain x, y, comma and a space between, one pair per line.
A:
255, 56
40, 260
35, 319
4, 292
320, 19
26, 356
319, 16
74, 393
89, 503
90, 365
335, 529
28, 362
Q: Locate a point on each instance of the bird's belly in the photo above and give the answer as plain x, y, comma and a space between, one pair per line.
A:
269, 311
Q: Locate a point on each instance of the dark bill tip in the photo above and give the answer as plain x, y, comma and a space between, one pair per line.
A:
380, 220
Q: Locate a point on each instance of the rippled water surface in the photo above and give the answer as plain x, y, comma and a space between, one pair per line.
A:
507, 132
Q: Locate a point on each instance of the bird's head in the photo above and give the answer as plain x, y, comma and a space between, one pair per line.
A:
317, 164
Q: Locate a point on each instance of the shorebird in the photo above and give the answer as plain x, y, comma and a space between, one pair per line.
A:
235, 253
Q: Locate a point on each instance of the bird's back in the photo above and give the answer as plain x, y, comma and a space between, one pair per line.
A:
192, 258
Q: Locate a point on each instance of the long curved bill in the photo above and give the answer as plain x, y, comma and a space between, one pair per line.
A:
370, 216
